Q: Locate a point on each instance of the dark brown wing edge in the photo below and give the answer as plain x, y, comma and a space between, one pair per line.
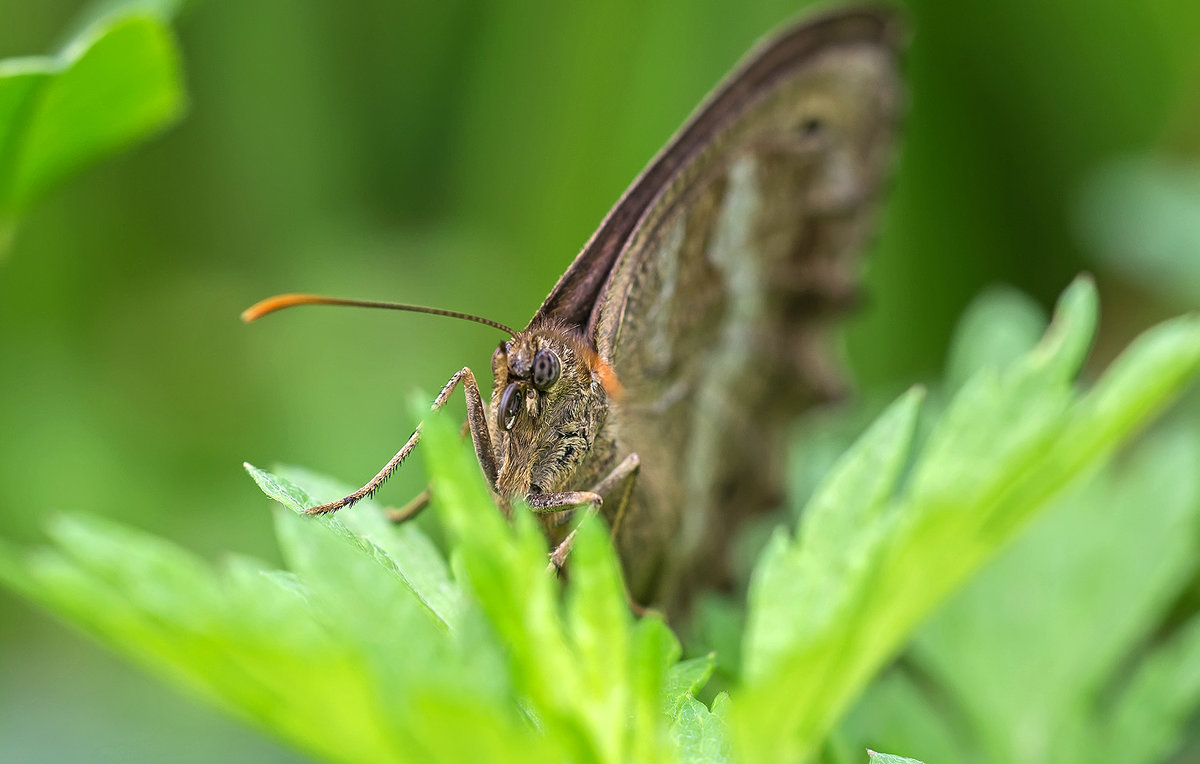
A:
574, 296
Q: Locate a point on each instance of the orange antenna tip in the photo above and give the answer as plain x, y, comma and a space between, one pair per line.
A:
281, 301
278, 302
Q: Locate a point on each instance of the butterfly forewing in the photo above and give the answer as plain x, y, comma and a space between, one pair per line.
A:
709, 286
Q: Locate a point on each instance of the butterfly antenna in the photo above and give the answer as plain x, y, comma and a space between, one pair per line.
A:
281, 301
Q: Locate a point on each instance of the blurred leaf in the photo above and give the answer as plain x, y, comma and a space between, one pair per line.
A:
1032, 641
895, 712
1042, 657
1141, 215
1158, 704
814, 571
222, 639
998, 327
97, 11
115, 84
1008, 443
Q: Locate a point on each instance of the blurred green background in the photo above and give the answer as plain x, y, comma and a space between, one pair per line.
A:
458, 154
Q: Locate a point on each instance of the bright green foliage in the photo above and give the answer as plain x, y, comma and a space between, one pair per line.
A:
1044, 641
1055, 653
368, 649
371, 647
116, 83
1060, 639
886, 758
827, 609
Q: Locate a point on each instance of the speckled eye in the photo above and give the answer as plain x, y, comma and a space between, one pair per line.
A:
546, 370
510, 405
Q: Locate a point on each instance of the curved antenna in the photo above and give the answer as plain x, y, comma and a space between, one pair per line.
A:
281, 301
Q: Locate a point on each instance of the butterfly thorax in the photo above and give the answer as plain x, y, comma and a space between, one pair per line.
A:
549, 403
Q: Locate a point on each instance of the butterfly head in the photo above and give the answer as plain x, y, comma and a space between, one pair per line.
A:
549, 399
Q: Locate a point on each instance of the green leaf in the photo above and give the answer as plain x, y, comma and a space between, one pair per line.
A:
1152, 715
403, 548
1069, 614
219, 637
887, 758
593, 677
1009, 442
903, 712
304, 556
21, 79
998, 327
685, 679
702, 735
1141, 215
117, 83
808, 573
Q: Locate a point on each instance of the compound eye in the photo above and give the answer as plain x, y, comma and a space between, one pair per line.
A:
510, 406
546, 370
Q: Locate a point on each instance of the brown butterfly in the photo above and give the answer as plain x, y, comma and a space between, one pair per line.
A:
657, 381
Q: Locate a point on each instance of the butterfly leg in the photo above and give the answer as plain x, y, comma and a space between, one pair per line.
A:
421, 500
621, 479
411, 509
476, 422
617, 484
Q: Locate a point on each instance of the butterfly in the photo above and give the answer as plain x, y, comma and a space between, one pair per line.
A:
658, 380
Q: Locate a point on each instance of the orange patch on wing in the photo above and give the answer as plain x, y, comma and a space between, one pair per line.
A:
608, 377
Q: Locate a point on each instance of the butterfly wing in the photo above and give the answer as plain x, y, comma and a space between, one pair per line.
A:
709, 286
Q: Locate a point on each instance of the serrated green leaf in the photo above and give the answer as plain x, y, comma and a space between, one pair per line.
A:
1069, 614
796, 588
414, 556
425, 576
340, 657
860, 484
685, 679
592, 678
654, 649
702, 735
887, 758
599, 622
1006, 445
169, 613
